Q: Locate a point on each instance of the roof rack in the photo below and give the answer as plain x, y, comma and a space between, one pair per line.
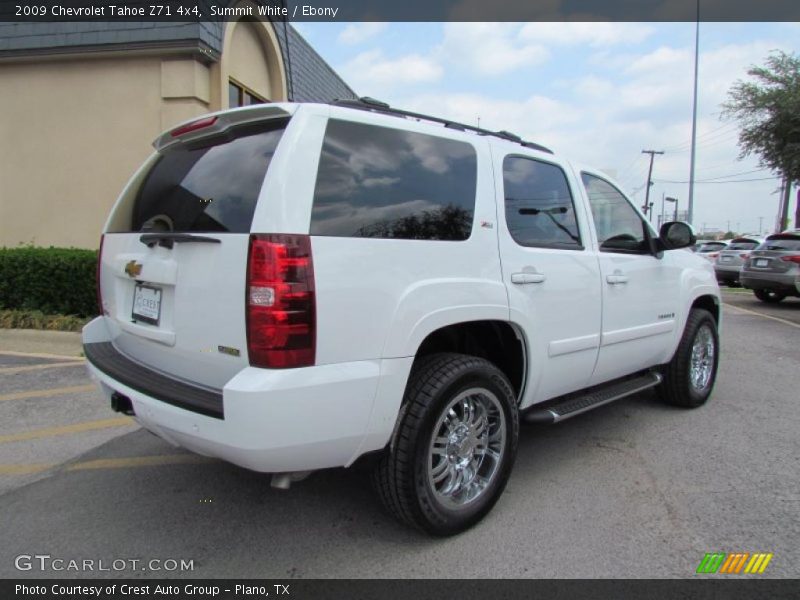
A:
373, 105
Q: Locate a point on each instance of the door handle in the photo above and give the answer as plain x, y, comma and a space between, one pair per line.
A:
523, 278
616, 279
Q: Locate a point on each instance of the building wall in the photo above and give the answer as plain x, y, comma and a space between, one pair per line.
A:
80, 128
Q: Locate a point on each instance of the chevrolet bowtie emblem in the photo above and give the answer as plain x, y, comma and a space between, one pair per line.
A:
133, 269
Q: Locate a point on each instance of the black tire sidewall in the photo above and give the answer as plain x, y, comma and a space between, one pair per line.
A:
704, 318
447, 520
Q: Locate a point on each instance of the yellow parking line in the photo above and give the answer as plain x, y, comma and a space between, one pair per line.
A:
66, 429
75, 389
40, 355
12, 370
25, 469
139, 461
758, 314
109, 463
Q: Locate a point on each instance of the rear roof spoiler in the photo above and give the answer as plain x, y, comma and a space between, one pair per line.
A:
220, 122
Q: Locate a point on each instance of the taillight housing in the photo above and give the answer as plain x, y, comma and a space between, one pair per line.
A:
98, 268
280, 302
794, 258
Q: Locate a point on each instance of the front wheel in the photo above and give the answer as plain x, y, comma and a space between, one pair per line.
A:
689, 377
769, 296
454, 447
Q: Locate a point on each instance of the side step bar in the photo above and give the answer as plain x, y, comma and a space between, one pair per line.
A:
571, 405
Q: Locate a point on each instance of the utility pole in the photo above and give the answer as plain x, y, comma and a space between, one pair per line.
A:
760, 225
690, 209
652, 154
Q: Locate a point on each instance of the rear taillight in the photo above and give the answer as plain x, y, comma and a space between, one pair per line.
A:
98, 290
795, 258
713, 254
744, 255
280, 302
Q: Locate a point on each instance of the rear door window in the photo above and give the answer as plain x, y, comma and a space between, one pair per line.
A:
379, 182
210, 185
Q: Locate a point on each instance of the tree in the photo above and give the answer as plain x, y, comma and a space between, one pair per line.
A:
768, 112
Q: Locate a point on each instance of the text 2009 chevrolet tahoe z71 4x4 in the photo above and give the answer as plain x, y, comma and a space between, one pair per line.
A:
291, 287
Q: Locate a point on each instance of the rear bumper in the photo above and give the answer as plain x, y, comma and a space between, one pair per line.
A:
769, 281
727, 273
272, 420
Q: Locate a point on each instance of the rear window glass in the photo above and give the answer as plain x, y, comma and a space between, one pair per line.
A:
741, 246
711, 247
784, 242
378, 182
210, 185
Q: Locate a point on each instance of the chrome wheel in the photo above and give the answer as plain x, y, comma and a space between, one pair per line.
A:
701, 364
467, 447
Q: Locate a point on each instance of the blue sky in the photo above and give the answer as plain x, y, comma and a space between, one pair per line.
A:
597, 93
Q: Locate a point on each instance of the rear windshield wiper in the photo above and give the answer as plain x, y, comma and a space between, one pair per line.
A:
168, 239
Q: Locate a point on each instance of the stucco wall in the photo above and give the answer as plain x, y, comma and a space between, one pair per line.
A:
74, 131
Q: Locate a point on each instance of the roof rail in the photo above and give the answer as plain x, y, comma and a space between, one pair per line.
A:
373, 105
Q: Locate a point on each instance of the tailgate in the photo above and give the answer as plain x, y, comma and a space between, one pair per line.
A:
174, 256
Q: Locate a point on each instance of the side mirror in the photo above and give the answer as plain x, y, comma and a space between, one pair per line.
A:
676, 234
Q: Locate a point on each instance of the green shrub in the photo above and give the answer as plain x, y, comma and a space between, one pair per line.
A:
34, 319
55, 281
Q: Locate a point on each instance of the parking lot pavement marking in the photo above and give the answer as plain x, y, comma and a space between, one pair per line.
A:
25, 469
38, 355
77, 362
47, 393
66, 429
758, 314
139, 461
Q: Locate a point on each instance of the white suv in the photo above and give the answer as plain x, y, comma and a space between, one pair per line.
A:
294, 287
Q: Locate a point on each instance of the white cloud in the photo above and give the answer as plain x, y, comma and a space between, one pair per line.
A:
592, 34
489, 48
357, 33
372, 73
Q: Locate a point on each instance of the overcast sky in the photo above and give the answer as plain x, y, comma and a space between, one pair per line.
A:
597, 93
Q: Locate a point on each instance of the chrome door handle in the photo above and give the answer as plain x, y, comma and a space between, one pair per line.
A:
616, 279
523, 278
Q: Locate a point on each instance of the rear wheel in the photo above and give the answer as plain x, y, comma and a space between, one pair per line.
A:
689, 377
454, 447
769, 296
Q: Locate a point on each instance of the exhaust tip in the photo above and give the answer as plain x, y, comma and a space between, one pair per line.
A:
122, 404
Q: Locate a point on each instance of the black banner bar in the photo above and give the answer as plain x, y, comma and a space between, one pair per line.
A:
405, 10
727, 588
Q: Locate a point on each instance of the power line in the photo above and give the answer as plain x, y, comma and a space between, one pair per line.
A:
710, 181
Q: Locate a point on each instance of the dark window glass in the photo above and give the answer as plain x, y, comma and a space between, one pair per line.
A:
741, 246
539, 207
210, 185
253, 99
781, 242
234, 95
619, 227
386, 183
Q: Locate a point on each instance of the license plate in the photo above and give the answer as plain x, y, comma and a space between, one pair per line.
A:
761, 262
726, 258
146, 304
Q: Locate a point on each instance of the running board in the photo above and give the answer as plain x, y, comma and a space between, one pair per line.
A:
574, 404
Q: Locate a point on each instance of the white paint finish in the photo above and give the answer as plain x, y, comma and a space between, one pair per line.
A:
636, 333
560, 313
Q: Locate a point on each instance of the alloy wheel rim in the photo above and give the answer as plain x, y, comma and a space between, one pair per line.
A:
467, 447
702, 361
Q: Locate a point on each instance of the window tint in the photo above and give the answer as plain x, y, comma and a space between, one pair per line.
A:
539, 207
386, 183
741, 246
619, 227
781, 242
208, 185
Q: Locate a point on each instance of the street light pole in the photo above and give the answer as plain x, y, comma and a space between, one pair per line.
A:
690, 210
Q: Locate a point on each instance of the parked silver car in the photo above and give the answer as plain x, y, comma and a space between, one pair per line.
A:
730, 260
772, 270
711, 249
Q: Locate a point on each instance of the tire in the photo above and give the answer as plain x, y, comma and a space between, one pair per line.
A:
422, 478
690, 375
769, 296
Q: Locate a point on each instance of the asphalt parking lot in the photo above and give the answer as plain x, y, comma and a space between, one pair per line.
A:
633, 489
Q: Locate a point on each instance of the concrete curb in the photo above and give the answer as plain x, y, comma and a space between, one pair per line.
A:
34, 341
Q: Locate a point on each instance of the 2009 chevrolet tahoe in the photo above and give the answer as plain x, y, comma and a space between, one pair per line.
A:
290, 287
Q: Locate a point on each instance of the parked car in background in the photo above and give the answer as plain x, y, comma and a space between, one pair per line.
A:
730, 260
710, 250
772, 270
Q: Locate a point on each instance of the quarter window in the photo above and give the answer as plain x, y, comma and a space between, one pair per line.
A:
539, 206
379, 182
619, 227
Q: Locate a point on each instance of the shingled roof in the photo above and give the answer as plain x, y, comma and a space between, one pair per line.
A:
310, 78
